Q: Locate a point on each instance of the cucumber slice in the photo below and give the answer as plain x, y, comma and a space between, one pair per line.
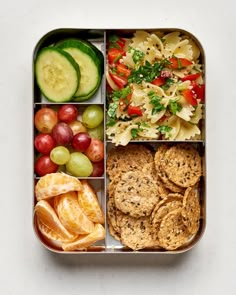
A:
90, 64
57, 74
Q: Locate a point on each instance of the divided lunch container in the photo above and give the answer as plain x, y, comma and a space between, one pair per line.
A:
99, 38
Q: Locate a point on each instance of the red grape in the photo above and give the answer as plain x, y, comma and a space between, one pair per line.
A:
95, 151
98, 169
62, 134
67, 113
81, 141
44, 143
44, 165
45, 119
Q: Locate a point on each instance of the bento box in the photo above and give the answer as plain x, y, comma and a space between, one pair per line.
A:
119, 141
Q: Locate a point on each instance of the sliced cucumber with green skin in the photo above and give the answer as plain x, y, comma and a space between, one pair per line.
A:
90, 65
57, 74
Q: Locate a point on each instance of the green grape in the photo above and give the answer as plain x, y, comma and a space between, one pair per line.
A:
60, 155
97, 132
92, 116
79, 165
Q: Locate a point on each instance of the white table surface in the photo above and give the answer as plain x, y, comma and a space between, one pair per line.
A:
25, 266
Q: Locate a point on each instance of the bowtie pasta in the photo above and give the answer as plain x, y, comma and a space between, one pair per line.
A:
155, 87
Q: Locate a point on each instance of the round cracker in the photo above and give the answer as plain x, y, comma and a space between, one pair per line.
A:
172, 202
173, 233
137, 233
127, 158
113, 233
182, 164
136, 194
112, 214
158, 159
191, 210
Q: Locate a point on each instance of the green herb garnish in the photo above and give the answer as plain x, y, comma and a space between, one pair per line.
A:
137, 55
174, 107
164, 129
112, 109
167, 84
155, 100
147, 72
123, 93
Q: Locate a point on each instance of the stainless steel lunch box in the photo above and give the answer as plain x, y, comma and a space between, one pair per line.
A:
99, 37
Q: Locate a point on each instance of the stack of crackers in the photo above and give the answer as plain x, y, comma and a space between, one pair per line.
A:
153, 196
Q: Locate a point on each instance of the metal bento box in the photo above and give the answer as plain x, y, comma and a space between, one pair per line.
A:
119, 141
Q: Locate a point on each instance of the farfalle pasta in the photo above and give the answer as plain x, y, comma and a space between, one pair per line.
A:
157, 89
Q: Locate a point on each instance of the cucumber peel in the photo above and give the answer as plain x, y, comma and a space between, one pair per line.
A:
57, 74
90, 63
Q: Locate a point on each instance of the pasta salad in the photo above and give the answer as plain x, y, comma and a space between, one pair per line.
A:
155, 87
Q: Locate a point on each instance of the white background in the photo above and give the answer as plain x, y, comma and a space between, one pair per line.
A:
25, 266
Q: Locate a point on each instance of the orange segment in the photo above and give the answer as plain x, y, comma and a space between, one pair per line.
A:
54, 184
52, 225
71, 215
85, 241
89, 203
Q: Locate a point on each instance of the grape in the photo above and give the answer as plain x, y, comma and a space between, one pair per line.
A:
98, 169
62, 134
92, 116
60, 155
97, 132
79, 165
81, 141
44, 165
67, 113
77, 126
45, 119
95, 151
44, 143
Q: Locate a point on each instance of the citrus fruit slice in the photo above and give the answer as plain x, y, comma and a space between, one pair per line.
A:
88, 202
71, 215
53, 228
83, 242
54, 184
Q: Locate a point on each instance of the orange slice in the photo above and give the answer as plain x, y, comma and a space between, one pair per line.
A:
52, 228
71, 215
54, 184
85, 241
88, 202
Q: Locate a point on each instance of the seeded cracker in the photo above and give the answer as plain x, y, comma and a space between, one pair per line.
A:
191, 210
182, 164
159, 158
136, 194
111, 213
173, 233
127, 158
172, 202
137, 233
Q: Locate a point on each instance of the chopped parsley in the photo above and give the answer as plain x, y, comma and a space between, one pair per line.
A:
164, 129
112, 109
174, 107
111, 122
168, 83
123, 93
134, 132
155, 100
137, 55
147, 72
